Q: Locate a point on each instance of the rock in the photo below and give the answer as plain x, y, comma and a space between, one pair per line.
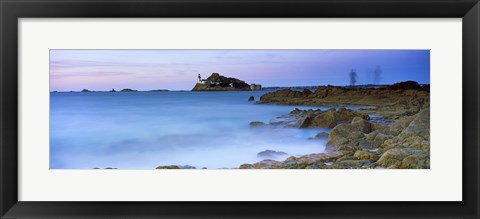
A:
382, 137
270, 154
319, 157
322, 135
420, 125
365, 155
257, 124
306, 92
415, 135
362, 125
347, 137
176, 167
404, 158
168, 167
304, 122
85, 90
296, 111
268, 164
187, 167
283, 95
406, 85
400, 124
128, 90
405, 98
247, 166
251, 98
324, 119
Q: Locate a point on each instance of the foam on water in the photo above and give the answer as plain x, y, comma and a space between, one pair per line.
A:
143, 130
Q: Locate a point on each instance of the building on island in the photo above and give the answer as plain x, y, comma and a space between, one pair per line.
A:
255, 86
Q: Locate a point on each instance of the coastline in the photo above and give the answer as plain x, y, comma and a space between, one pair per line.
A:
355, 140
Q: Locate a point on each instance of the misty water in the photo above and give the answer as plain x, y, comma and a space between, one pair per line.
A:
143, 130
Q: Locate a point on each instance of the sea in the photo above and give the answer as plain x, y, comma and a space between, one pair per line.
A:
144, 130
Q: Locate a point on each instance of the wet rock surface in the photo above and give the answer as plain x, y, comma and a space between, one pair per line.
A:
362, 144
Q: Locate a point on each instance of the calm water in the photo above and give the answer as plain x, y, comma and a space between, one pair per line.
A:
143, 130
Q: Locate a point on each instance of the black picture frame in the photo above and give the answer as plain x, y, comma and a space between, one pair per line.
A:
12, 10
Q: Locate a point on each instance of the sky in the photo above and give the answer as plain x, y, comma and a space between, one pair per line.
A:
101, 70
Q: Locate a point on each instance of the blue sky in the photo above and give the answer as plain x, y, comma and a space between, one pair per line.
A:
178, 69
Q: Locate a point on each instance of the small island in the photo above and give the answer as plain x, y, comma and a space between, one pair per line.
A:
217, 82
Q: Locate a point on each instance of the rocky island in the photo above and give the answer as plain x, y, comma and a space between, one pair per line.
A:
217, 82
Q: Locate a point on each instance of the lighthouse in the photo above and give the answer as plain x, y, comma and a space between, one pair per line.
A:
200, 79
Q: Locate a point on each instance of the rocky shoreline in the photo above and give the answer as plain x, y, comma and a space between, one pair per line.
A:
356, 141
392, 133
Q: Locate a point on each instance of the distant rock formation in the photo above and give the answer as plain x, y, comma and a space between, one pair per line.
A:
113, 90
217, 82
85, 90
251, 98
158, 90
128, 90
176, 167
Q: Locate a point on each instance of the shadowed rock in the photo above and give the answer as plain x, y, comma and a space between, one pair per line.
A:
270, 154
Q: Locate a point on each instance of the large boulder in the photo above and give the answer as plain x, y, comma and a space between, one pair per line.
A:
415, 135
347, 137
322, 135
365, 155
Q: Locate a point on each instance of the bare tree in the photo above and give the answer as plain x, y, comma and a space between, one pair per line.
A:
353, 77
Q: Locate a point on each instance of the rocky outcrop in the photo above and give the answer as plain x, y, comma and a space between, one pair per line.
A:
319, 119
251, 98
392, 102
257, 124
404, 158
128, 90
365, 144
406, 85
217, 82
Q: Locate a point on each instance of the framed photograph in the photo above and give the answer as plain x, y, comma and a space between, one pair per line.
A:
239, 109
